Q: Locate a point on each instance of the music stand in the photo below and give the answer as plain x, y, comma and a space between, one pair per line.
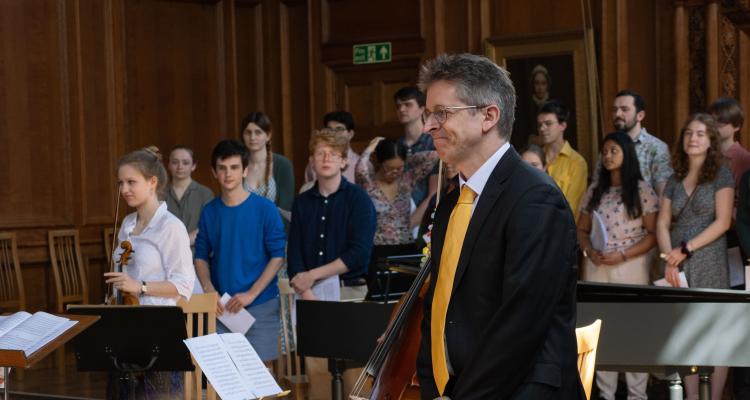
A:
340, 331
391, 276
131, 340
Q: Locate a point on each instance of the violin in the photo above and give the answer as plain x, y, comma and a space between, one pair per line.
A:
122, 298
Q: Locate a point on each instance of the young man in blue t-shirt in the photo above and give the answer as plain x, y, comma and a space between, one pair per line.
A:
240, 249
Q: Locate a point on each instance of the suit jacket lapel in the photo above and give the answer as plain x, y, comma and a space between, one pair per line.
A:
491, 192
440, 226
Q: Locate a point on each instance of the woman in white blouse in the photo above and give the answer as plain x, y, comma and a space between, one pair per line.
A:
160, 269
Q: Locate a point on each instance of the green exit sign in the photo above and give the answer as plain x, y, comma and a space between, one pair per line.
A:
372, 53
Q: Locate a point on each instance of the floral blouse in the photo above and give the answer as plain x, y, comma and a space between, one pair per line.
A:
393, 225
622, 232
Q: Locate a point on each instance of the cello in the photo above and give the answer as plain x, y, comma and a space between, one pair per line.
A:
390, 373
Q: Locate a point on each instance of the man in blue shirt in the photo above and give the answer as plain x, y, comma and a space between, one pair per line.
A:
333, 224
240, 248
409, 102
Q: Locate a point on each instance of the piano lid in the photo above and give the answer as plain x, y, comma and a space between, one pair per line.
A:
591, 292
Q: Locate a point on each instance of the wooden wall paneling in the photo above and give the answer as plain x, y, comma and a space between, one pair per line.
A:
249, 25
712, 52
608, 60
75, 115
173, 77
229, 22
97, 135
743, 81
296, 84
661, 123
641, 53
35, 165
285, 82
622, 43
367, 93
439, 24
271, 58
428, 27
459, 26
364, 21
729, 49
517, 18
696, 15
682, 69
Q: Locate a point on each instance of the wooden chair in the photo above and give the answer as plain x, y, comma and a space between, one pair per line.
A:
200, 316
291, 375
588, 338
12, 296
68, 268
107, 235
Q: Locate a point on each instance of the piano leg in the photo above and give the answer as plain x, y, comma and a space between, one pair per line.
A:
675, 387
705, 385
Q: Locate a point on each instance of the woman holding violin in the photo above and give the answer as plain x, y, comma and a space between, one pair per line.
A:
159, 269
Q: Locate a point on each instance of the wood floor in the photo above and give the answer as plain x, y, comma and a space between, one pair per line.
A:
46, 381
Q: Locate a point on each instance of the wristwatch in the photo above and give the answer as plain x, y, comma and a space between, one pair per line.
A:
144, 288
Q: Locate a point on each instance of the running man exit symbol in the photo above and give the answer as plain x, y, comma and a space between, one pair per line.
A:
371, 53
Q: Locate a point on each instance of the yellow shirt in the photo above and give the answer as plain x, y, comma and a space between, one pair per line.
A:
570, 172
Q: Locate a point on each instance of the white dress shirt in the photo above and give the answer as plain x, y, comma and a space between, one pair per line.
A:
477, 181
161, 252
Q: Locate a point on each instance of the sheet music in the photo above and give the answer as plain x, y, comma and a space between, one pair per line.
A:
11, 321
328, 289
239, 322
51, 336
598, 235
663, 281
211, 354
35, 332
250, 365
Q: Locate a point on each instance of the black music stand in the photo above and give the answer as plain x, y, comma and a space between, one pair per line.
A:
340, 331
132, 339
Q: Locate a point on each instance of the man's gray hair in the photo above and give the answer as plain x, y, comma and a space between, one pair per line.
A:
478, 82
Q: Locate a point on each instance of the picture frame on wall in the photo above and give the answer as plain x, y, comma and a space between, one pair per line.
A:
545, 67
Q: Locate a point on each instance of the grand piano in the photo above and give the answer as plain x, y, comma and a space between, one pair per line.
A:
667, 330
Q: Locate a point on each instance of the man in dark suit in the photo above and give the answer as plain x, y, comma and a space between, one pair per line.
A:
499, 320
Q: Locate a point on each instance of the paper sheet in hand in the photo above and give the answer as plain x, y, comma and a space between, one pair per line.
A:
736, 266
598, 234
238, 322
328, 289
663, 281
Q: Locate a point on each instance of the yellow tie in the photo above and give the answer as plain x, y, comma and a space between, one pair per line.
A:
454, 239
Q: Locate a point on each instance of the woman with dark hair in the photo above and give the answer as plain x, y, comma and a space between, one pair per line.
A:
390, 187
696, 211
269, 174
620, 208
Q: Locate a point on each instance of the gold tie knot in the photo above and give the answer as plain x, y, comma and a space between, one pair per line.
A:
467, 195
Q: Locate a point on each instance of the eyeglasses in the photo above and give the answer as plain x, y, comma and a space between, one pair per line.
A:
338, 129
441, 113
322, 155
547, 123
